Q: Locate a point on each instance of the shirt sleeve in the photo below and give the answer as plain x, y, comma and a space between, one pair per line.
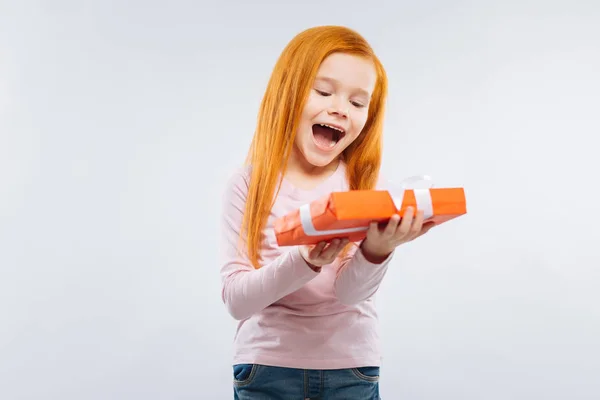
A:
357, 278
246, 290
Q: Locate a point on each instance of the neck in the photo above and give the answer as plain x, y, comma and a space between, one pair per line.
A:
305, 175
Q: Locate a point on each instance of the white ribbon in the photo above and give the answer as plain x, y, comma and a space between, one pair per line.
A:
310, 230
423, 197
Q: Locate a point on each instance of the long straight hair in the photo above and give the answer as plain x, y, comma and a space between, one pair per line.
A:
279, 114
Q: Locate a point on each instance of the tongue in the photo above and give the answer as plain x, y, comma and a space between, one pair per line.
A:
323, 136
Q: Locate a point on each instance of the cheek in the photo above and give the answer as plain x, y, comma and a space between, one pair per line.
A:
359, 121
306, 117
315, 104
305, 125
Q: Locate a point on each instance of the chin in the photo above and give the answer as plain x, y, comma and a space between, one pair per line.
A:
317, 160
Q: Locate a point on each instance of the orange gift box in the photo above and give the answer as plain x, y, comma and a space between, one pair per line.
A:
348, 214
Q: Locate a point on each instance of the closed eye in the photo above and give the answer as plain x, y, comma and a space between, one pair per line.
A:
325, 94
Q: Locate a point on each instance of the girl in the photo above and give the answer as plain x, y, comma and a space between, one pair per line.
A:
307, 320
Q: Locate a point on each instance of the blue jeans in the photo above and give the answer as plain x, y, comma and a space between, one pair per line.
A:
261, 382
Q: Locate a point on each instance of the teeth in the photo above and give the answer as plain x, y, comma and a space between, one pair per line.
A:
332, 127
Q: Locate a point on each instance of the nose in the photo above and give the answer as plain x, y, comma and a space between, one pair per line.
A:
338, 109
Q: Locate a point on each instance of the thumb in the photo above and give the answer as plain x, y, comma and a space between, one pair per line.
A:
427, 227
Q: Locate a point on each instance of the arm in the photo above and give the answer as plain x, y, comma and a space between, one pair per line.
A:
246, 290
359, 276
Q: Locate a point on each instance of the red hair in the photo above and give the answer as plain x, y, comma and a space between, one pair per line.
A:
279, 115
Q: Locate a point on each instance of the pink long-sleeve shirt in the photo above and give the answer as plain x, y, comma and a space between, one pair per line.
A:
289, 315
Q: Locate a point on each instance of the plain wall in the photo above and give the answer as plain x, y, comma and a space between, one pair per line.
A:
121, 121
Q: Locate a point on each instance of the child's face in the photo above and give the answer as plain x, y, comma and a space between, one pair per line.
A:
340, 98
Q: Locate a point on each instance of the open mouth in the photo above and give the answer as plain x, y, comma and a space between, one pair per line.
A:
327, 136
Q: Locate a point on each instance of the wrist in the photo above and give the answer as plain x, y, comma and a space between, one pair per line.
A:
374, 256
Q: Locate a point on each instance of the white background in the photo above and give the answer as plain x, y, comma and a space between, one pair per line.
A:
120, 121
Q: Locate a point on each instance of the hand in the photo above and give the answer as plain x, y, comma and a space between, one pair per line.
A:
381, 242
322, 253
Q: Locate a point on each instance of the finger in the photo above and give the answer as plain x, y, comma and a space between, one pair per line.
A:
404, 227
373, 230
342, 244
392, 226
417, 224
330, 250
316, 251
334, 250
427, 227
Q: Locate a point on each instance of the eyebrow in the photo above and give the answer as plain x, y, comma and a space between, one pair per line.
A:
336, 82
